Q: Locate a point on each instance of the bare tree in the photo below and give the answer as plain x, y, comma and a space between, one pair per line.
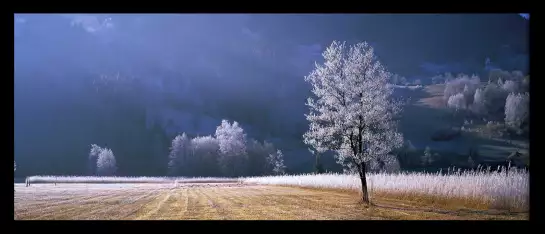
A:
277, 162
352, 111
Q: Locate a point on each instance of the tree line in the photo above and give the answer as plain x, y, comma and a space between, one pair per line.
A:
229, 152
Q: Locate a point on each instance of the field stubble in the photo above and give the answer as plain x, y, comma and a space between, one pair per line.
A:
219, 201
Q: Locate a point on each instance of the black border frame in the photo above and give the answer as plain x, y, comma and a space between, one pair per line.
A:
262, 7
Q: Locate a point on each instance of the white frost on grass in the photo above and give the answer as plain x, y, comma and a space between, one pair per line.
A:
497, 188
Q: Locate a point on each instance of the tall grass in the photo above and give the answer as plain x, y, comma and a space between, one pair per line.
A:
478, 188
472, 188
116, 179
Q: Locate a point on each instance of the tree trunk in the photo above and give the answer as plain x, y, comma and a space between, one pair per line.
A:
364, 194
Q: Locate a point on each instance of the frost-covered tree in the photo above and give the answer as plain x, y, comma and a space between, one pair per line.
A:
494, 99
179, 155
462, 84
232, 143
276, 160
352, 111
511, 86
106, 163
457, 102
206, 153
478, 106
517, 109
93, 156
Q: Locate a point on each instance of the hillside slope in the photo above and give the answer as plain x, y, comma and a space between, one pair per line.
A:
426, 114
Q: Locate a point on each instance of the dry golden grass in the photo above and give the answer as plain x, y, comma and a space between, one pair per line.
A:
223, 201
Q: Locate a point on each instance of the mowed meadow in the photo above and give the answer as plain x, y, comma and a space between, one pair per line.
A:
481, 194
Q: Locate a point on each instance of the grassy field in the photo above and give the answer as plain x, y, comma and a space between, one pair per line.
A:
460, 195
221, 201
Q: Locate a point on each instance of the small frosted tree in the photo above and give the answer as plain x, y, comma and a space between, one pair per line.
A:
457, 102
232, 143
517, 109
178, 156
106, 163
462, 84
478, 106
351, 110
93, 157
277, 162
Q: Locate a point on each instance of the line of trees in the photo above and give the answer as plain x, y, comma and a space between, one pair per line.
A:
227, 153
505, 96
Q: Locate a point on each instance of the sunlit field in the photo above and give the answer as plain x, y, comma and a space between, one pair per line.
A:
458, 195
479, 189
